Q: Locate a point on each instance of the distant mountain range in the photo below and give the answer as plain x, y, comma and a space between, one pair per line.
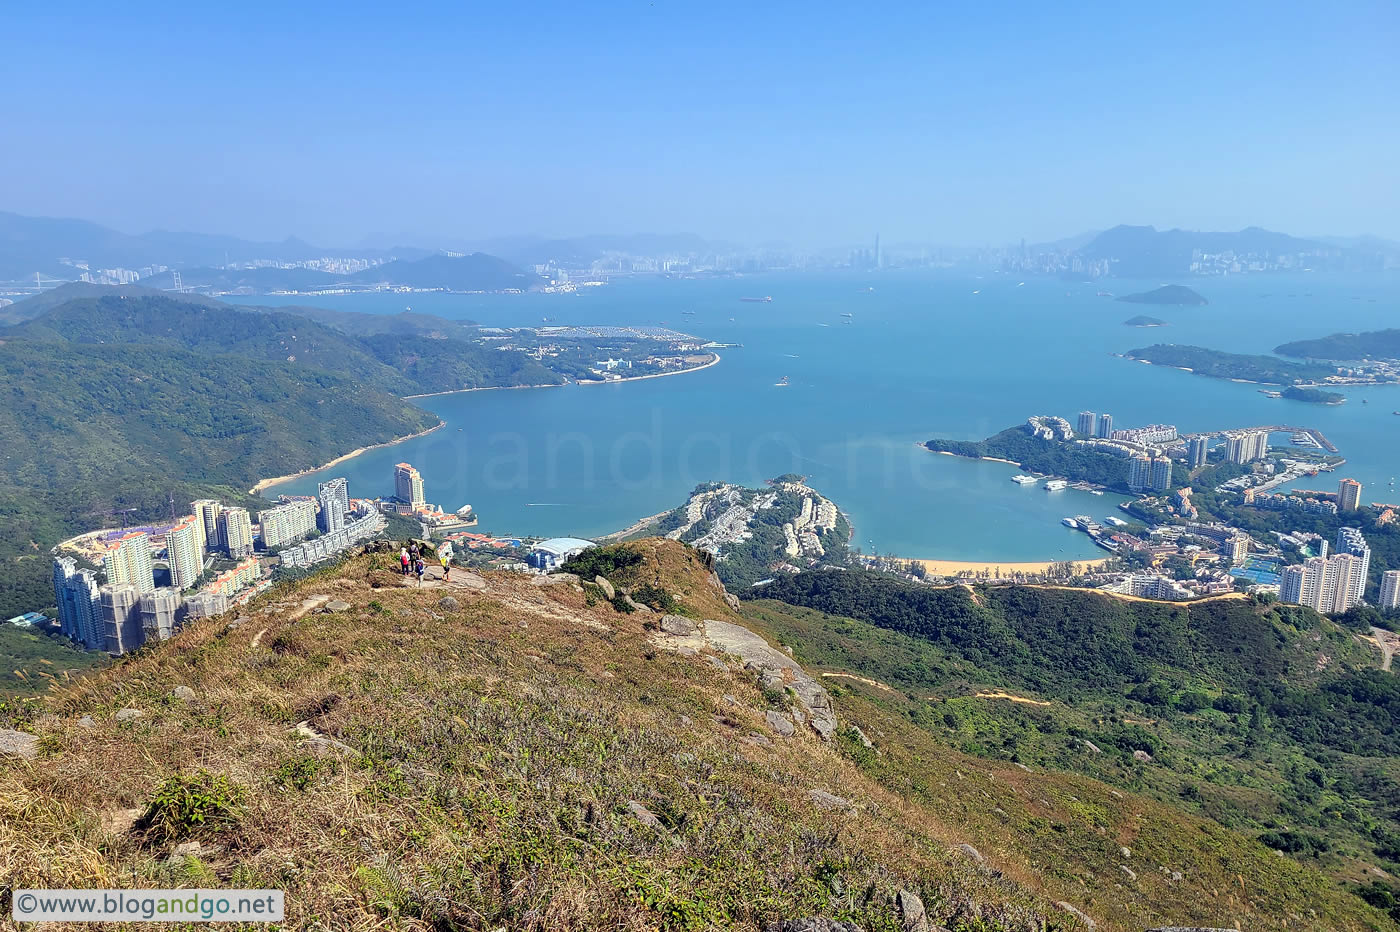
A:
35, 244
1146, 252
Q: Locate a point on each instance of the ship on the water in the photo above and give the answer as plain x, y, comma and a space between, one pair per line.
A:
766, 299
1025, 480
1055, 485
781, 383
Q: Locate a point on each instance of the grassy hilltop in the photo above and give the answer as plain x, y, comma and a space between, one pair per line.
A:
500, 753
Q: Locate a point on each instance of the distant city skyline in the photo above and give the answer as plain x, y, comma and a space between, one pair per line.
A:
816, 127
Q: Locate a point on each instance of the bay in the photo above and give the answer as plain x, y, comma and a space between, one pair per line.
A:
923, 355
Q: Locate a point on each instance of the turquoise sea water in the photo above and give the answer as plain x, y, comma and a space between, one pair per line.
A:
923, 356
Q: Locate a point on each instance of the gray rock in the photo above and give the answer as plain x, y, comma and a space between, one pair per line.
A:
1092, 746
755, 738
191, 849
1126, 852
678, 625
126, 715
718, 664
971, 852
1023, 767
337, 605
609, 592
1176, 875
448, 604
1143, 756
865, 742
470, 580
644, 815
732, 601
810, 924
912, 916
18, 744
1076, 913
637, 606
824, 800
87, 722
183, 693
1128, 871
687, 651
780, 723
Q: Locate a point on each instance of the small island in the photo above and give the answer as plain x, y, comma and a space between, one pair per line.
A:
1167, 294
1269, 370
1374, 344
1313, 395
1142, 320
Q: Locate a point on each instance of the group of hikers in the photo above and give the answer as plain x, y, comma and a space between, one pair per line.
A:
412, 561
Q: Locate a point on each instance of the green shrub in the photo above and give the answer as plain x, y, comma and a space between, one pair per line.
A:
189, 804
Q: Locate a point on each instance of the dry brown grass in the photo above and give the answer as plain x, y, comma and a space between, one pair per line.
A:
489, 756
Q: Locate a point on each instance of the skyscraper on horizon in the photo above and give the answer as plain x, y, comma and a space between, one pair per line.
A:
1087, 421
1105, 426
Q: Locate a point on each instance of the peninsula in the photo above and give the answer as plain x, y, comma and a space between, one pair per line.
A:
1167, 294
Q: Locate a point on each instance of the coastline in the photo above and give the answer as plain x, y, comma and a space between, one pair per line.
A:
278, 480
640, 524
972, 567
654, 375
484, 388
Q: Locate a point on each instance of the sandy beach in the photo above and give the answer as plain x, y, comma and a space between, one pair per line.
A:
268, 483
654, 375
640, 525
968, 567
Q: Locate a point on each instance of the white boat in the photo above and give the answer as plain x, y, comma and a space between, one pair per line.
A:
1069, 522
1025, 480
1055, 485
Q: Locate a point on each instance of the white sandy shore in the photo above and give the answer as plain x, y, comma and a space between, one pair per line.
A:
277, 480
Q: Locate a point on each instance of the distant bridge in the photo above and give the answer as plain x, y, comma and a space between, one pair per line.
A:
1312, 432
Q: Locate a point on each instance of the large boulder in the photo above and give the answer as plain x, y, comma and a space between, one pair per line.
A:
811, 924
609, 592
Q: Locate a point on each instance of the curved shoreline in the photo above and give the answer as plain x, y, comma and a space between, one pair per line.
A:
264, 484
278, 480
654, 375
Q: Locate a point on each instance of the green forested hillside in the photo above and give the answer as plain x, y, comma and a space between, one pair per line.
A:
88, 427
1270, 719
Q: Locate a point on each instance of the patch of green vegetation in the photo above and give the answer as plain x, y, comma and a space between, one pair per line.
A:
1268, 719
31, 660
1071, 460
613, 563
189, 804
1374, 344
1313, 395
1269, 370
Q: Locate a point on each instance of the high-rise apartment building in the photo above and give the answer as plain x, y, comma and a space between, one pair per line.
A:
1348, 495
1139, 472
236, 532
1390, 589
207, 511
408, 486
1238, 548
128, 563
287, 523
1197, 452
184, 552
1105, 426
79, 604
160, 614
1087, 420
1161, 473
335, 502
1246, 446
121, 618
1350, 541
1325, 584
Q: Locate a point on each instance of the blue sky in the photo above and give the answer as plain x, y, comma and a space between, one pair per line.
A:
807, 123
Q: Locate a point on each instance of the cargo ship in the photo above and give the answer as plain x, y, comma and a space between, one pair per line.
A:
766, 299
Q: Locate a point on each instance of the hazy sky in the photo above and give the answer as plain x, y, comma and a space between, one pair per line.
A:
807, 122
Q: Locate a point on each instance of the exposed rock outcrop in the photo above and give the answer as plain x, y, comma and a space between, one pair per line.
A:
18, 743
